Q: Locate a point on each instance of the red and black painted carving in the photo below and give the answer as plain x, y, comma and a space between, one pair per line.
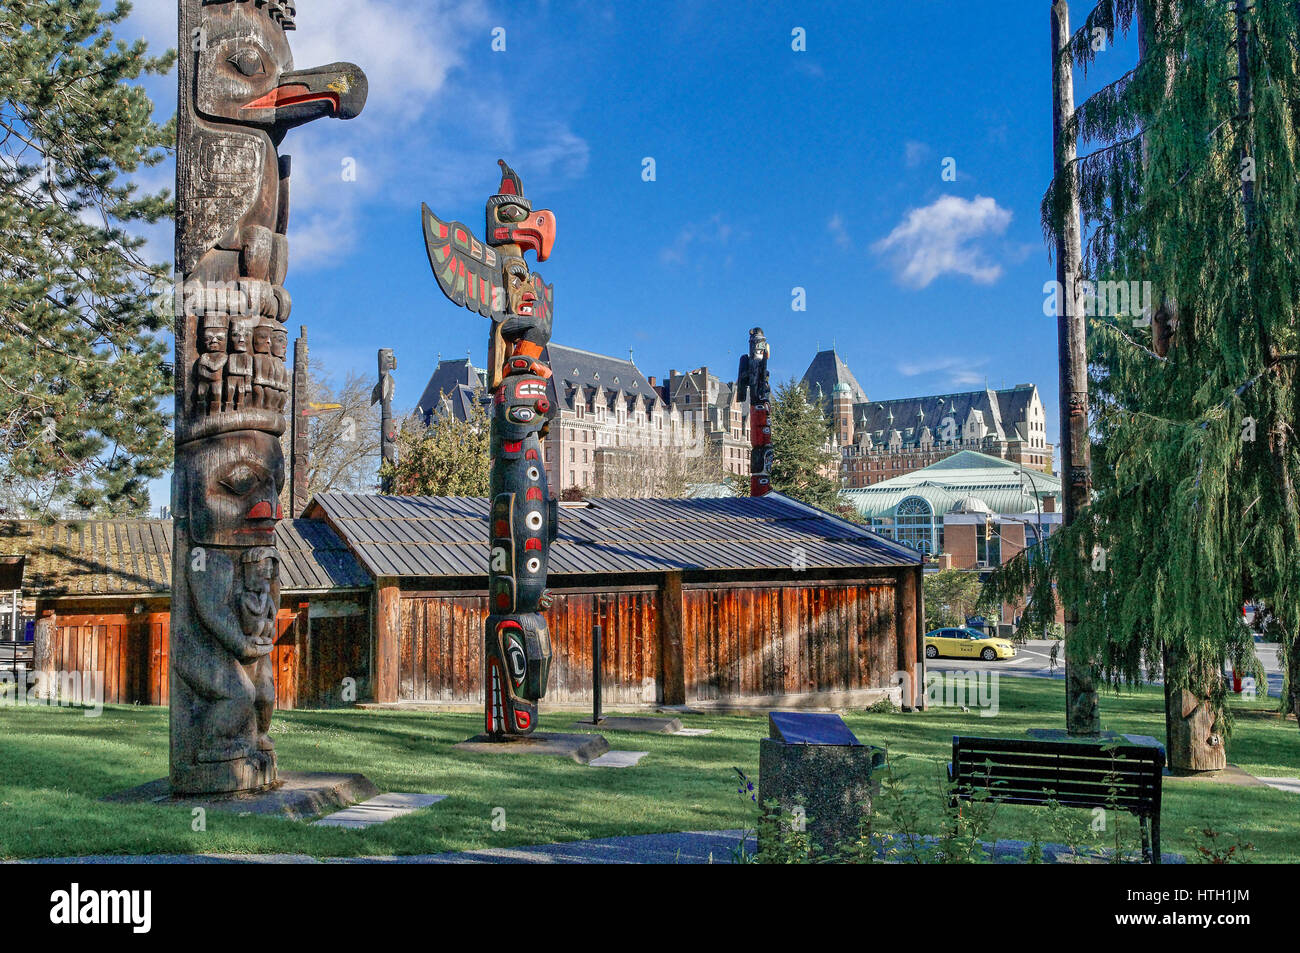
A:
238, 96
492, 278
752, 381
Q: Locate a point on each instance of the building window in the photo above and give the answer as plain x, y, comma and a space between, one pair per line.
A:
988, 546
915, 524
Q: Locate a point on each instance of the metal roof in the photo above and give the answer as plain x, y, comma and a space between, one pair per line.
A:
1003, 486
128, 557
416, 536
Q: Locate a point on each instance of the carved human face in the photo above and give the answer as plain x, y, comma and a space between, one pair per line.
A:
241, 337
262, 339
236, 497
214, 339
521, 406
279, 342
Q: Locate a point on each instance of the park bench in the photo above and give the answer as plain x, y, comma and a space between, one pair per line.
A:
1088, 774
16, 657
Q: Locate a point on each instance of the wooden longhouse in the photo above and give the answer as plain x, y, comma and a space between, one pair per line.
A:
703, 602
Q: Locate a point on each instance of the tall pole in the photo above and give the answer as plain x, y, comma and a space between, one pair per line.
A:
1082, 706
492, 278
238, 96
299, 447
383, 396
752, 381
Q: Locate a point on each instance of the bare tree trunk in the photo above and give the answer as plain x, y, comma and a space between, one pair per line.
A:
1082, 707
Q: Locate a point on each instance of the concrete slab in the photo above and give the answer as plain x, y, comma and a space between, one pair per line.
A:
694, 732
618, 759
577, 748
296, 796
1290, 785
1231, 775
379, 810
645, 725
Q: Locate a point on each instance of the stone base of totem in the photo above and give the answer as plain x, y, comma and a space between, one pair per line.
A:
644, 725
295, 796
580, 749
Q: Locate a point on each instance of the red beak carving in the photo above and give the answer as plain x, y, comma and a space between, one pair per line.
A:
263, 511
537, 232
293, 94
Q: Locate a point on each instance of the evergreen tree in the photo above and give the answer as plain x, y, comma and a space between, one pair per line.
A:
1194, 187
804, 461
449, 457
82, 351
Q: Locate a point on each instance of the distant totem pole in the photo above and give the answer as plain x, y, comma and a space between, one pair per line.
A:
493, 279
383, 396
752, 380
238, 96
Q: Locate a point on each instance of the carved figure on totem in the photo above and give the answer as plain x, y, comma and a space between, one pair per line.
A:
753, 381
239, 95
492, 278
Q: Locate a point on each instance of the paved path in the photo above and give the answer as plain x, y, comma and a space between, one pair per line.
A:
706, 847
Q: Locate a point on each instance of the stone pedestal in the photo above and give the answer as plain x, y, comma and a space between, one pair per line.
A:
580, 749
832, 783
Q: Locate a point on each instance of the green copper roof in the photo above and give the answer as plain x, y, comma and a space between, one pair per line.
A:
1004, 487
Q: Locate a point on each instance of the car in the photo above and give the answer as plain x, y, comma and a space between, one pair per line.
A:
967, 643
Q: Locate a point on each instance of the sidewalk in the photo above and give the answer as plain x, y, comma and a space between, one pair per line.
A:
695, 847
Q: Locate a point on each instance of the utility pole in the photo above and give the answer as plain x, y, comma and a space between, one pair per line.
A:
1082, 705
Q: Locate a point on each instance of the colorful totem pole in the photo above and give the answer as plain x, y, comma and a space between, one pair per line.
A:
493, 279
752, 381
239, 95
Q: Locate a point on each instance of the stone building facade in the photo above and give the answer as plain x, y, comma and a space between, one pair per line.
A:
611, 421
879, 440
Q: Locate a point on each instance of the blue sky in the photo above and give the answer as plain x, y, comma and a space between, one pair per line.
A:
775, 169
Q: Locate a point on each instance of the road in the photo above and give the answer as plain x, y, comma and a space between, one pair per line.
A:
1033, 660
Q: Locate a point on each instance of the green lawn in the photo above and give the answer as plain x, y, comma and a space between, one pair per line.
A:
56, 763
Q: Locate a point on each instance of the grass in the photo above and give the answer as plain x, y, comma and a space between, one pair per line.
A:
56, 763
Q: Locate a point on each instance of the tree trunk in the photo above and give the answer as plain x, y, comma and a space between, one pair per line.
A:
1082, 707
1193, 730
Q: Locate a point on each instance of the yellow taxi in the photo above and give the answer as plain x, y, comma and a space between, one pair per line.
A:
967, 643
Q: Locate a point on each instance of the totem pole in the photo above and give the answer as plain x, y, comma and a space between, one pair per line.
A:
239, 95
493, 279
752, 380
299, 427
383, 396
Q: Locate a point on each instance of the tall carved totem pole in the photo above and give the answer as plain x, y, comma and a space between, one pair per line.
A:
752, 380
492, 278
239, 95
383, 396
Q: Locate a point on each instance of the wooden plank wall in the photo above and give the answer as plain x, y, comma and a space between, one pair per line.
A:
748, 641
310, 659
441, 646
130, 650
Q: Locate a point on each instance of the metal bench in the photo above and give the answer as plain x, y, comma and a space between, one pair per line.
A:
1087, 774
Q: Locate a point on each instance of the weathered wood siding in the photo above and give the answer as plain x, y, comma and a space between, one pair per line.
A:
441, 655
128, 650
785, 640
310, 659
736, 641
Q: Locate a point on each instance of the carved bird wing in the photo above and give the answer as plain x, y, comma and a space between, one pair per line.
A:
468, 271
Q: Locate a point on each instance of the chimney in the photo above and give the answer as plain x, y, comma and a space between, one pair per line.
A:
1049, 503
653, 382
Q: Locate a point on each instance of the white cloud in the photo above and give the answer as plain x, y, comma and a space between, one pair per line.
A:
714, 231
957, 371
838, 231
944, 238
914, 153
